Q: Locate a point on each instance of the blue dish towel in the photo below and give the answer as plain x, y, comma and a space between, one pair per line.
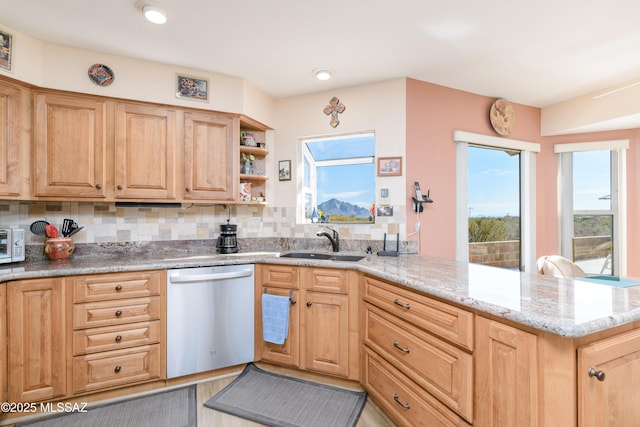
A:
275, 318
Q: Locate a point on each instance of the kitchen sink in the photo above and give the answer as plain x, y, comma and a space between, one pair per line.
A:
313, 255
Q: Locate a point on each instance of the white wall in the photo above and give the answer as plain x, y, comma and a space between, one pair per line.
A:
65, 68
378, 107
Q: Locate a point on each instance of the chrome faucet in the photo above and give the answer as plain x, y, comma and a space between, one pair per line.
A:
335, 240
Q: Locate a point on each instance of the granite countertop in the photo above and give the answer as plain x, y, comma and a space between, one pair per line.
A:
565, 307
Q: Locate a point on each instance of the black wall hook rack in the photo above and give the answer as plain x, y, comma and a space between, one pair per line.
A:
417, 204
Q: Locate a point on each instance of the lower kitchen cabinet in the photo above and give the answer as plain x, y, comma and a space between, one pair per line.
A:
37, 333
506, 375
608, 375
418, 360
281, 280
3, 333
323, 328
118, 334
79, 334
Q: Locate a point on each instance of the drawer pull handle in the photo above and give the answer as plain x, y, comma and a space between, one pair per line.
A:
403, 349
118, 338
118, 288
118, 313
598, 374
397, 399
309, 303
117, 369
397, 302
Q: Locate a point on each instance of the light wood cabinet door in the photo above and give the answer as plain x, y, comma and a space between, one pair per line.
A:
506, 389
210, 157
608, 375
281, 280
325, 326
69, 146
3, 333
145, 152
37, 340
11, 143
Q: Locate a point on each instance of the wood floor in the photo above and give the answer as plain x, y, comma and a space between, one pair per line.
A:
371, 416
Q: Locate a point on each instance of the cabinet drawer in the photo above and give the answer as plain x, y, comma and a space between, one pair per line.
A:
442, 369
279, 276
451, 323
113, 368
108, 338
105, 313
402, 400
326, 280
117, 286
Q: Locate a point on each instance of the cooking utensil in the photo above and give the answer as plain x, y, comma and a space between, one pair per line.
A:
51, 231
68, 225
75, 230
38, 228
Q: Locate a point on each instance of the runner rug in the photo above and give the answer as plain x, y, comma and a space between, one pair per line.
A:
172, 408
277, 400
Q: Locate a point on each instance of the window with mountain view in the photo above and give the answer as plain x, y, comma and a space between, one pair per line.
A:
339, 178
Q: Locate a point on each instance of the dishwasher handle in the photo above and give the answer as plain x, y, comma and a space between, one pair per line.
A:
176, 278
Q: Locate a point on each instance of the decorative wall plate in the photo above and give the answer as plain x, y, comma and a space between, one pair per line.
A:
100, 74
502, 116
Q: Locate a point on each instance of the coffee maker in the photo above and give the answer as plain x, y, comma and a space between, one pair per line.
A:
227, 242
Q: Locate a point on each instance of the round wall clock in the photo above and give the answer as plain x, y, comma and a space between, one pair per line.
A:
502, 116
100, 74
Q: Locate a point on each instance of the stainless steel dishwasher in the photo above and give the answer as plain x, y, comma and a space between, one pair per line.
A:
210, 313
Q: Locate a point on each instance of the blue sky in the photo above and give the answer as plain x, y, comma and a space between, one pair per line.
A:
354, 184
494, 184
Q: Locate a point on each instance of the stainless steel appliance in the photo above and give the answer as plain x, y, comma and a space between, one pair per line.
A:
210, 314
227, 242
11, 245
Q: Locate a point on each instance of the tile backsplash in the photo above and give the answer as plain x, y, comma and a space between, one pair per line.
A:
105, 222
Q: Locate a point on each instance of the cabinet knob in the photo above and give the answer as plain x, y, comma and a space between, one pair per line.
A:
117, 369
598, 374
402, 349
119, 187
118, 338
309, 303
396, 397
118, 313
98, 186
118, 288
187, 189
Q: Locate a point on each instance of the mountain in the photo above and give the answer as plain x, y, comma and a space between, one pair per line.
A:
337, 207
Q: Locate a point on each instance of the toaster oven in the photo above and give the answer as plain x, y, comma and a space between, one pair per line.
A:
11, 245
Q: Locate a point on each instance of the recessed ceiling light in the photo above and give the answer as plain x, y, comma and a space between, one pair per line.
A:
154, 14
322, 73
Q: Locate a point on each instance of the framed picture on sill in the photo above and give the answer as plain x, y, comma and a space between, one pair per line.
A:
196, 88
389, 166
284, 170
6, 50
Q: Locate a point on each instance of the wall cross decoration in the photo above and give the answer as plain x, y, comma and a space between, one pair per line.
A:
333, 109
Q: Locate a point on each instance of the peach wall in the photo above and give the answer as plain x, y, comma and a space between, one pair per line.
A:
434, 112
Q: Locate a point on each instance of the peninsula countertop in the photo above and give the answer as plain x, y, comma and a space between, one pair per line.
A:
564, 307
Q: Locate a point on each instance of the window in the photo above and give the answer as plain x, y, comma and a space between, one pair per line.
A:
591, 200
338, 179
494, 206
526, 186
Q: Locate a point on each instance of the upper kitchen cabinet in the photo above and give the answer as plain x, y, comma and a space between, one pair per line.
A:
210, 157
145, 152
69, 146
14, 143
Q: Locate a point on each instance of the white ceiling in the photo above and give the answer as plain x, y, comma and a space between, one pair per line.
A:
536, 53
